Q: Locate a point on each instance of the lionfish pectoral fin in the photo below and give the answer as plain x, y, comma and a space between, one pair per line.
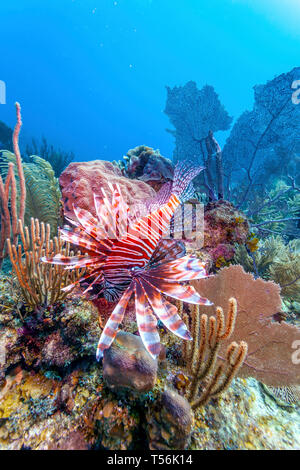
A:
78, 281
111, 328
166, 251
186, 268
147, 323
177, 291
166, 312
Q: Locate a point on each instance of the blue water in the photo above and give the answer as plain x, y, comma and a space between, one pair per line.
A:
91, 74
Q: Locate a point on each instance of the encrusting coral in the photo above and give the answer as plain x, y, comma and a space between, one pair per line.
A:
202, 354
41, 284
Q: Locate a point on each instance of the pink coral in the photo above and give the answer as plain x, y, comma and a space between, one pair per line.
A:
225, 251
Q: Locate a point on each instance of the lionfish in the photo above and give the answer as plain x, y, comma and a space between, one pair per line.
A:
133, 259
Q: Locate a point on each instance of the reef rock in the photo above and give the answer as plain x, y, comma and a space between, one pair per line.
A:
169, 422
246, 418
54, 337
128, 364
80, 180
118, 427
55, 352
10, 349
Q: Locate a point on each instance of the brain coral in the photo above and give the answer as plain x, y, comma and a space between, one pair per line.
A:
81, 179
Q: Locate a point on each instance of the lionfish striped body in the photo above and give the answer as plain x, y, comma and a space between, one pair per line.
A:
134, 260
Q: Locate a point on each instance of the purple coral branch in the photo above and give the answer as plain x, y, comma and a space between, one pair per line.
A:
269, 202
291, 283
293, 183
256, 149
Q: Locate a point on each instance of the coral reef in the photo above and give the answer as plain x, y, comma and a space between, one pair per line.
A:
53, 394
258, 168
76, 410
246, 418
235, 385
50, 340
224, 228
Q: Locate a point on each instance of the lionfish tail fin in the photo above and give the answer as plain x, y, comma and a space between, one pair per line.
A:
184, 173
